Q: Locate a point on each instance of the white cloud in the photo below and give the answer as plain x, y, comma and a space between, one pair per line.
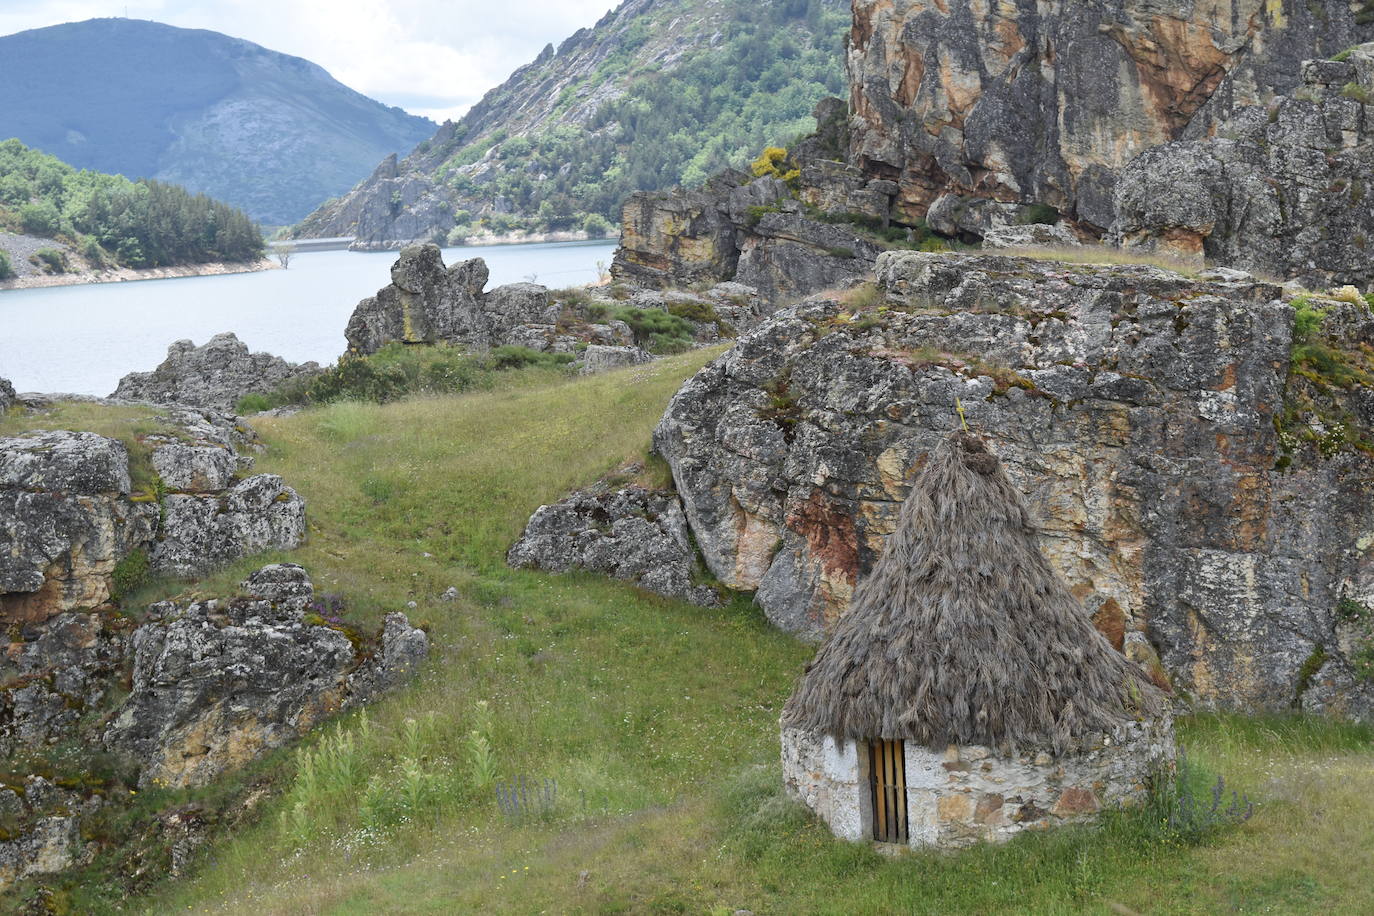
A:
433, 57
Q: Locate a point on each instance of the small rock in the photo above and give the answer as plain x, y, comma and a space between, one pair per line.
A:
450, 594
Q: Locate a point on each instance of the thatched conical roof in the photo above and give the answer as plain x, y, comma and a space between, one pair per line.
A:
964, 634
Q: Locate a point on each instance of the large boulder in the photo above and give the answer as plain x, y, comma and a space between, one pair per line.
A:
425, 303
217, 374
1046, 102
634, 534
7, 395
1214, 506
1281, 189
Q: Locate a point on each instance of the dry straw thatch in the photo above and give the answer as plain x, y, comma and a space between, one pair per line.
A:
964, 634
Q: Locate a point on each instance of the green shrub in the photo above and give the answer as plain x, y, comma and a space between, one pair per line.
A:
656, 330
696, 310
597, 226
519, 357
40, 218
6, 270
253, 403
93, 253
130, 574
51, 259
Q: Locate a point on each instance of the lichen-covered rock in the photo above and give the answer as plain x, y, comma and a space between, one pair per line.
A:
1281, 189
66, 519
1044, 102
69, 514
634, 534
217, 683
1137, 406
52, 846
201, 532
1035, 235
7, 395
597, 359
218, 374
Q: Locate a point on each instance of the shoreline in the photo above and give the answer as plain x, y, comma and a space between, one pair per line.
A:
130, 275
483, 241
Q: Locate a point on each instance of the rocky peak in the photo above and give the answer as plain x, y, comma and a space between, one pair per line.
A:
217, 374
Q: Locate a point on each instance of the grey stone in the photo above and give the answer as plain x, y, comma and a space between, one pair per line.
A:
200, 533
52, 846
7, 395
195, 468
218, 374
1035, 235
597, 359
633, 534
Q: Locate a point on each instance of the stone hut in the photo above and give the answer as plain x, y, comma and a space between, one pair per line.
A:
966, 695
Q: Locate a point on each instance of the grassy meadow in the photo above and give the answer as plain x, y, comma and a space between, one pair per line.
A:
641, 733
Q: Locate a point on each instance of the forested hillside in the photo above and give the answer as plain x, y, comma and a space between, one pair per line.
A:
659, 92
113, 221
264, 131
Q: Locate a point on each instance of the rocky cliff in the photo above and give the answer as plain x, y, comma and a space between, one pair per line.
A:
656, 93
1204, 485
1045, 102
217, 374
1280, 189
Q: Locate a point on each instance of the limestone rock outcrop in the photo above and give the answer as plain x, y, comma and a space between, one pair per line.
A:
429, 303
7, 395
218, 683
1046, 102
785, 240
216, 375
70, 512
1281, 189
1213, 499
633, 533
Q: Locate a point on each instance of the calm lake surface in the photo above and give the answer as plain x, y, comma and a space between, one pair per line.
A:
83, 339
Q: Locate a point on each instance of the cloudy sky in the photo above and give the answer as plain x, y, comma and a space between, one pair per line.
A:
432, 57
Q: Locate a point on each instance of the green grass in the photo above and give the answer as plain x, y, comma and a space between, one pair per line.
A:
658, 720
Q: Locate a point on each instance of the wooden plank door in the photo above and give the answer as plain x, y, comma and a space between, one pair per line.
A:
887, 786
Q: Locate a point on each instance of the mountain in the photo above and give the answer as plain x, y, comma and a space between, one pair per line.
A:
264, 131
659, 92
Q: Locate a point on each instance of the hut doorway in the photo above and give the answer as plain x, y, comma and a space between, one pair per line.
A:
887, 787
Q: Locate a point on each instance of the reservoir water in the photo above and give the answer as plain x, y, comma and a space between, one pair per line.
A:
83, 339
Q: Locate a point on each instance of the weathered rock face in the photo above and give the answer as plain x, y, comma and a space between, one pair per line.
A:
597, 358
211, 685
218, 683
1281, 189
1045, 102
733, 229
1139, 408
217, 374
786, 241
633, 534
69, 513
6, 395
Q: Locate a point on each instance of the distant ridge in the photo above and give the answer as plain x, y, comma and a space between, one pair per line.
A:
264, 131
